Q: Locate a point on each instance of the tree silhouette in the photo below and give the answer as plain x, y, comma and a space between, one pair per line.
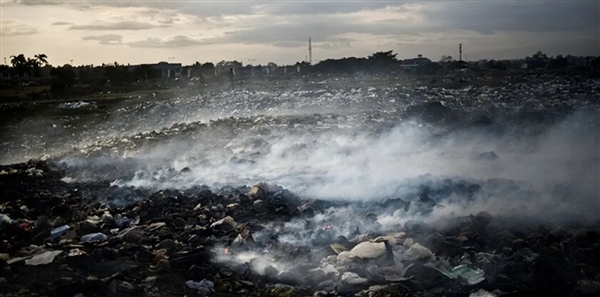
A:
446, 58
382, 61
18, 60
538, 60
20, 64
145, 72
32, 66
559, 62
64, 77
207, 67
383, 56
42, 59
540, 55
117, 74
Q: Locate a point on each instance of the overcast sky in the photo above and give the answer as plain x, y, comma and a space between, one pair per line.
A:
186, 31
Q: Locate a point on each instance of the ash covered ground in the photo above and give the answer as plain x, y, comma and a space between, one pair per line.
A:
340, 187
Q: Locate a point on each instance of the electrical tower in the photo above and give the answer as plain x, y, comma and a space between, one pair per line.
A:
309, 51
460, 51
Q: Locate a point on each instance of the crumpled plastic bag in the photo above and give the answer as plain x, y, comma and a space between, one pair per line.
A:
417, 252
43, 258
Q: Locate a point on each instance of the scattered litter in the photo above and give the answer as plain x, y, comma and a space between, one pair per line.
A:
482, 293
227, 221
5, 221
94, 237
204, 287
463, 272
43, 258
417, 252
60, 231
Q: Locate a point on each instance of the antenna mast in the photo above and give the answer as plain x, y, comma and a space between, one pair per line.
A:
309, 51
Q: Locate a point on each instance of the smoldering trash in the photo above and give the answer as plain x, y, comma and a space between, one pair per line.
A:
382, 199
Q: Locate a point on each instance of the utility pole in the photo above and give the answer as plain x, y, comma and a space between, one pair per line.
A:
460, 51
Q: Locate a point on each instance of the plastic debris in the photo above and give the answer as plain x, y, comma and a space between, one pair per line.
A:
43, 258
5, 221
60, 231
482, 293
417, 252
337, 248
226, 220
352, 278
365, 250
94, 237
471, 276
204, 287
123, 222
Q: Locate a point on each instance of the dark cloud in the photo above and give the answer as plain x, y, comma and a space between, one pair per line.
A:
241, 7
61, 23
544, 16
296, 30
127, 25
304, 7
482, 17
105, 39
174, 42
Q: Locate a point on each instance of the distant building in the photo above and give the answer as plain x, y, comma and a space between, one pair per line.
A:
224, 67
168, 70
416, 62
289, 69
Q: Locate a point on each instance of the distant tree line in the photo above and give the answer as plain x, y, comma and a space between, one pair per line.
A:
28, 66
382, 62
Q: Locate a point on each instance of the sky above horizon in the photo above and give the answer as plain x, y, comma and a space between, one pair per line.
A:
258, 32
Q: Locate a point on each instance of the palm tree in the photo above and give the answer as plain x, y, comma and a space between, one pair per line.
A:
17, 61
42, 59
20, 64
39, 61
33, 66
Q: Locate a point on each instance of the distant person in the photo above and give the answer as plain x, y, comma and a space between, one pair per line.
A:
231, 78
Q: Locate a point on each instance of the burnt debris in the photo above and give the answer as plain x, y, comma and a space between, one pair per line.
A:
57, 239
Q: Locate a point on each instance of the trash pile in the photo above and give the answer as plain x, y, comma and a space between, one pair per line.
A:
74, 239
356, 100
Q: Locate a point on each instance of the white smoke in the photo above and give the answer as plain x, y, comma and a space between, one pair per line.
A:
339, 161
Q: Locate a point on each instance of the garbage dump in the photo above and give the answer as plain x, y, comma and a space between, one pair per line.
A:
179, 249
330, 190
